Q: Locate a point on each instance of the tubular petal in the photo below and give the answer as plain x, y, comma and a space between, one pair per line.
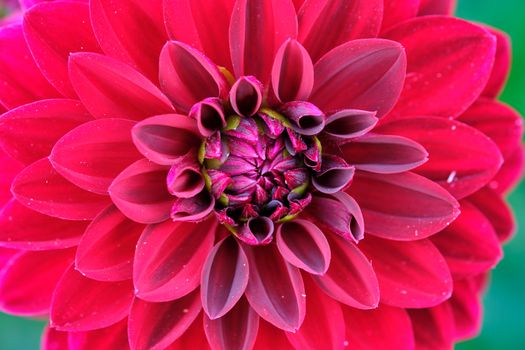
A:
112, 337
246, 96
257, 231
335, 175
169, 259
209, 115
185, 179
306, 118
350, 123
193, 209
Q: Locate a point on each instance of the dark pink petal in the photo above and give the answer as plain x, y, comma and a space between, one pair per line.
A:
54, 340
350, 279
292, 72
471, 165
6, 254
112, 337
141, 194
165, 138
110, 88
106, 250
29, 132
433, 327
209, 115
397, 11
16, 57
270, 337
469, 245
192, 338
258, 29
302, 244
184, 178
10, 169
224, 278
335, 174
350, 123
467, 309
323, 326
275, 288
501, 69
187, 76
23, 293
384, 154
153, 326
194, 209
361, 74
436, 7
39, 187
93, 154
402, 206
257, 231
189, 21
511, 172
306, 118
170, 257
83, 304
411, 274
24, 228
52, 34
449, 63
130, 31
246, 96
338, 213
237, 330
385, 328
325, 24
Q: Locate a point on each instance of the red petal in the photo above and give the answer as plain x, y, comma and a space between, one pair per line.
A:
323, 326
436, 7
141, 194
112, 337
93, 154
494, 207
257, 29
469, 245
187, 76
350, 123
501, 69
54, 340
467, 309
397, 11
449, 63
511, 171
224, 278
384, 154
402, 206
41, 188
23, 228
23, 293
10, 169
166, 138
350, 279
270, 337
237, 330
110, 88
193, 338
20, 79
202, 24
83, 304
472, 163
153, 326
52, 33
275, 288
433, 327
385, 328
411, 274
170, 257
361, 74
106, 250
130, 31
303, 245
29, 132
325, 24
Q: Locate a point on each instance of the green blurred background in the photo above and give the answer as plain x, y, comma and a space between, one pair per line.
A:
504, 327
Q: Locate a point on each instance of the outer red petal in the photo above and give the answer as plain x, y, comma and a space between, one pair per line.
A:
10, 169
501, 69
54, 340
436, 7
112, 337
193, 338
397, 11
270, 337
466, 308
433, 327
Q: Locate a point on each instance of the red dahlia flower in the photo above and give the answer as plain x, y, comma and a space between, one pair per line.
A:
191, 174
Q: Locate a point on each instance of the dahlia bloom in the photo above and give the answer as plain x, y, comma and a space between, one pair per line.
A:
192, 174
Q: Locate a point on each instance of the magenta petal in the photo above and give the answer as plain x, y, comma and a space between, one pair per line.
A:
384, 154
257, 29
302, 244
292, 72
335, 175
184, 178
170, 257
411, 274
350, 123
112, 337
106, 250
155, 326
209, 115
40, 188
246, 96
224, 278
23, 228
402, 206
325, 24
350, 279
275, 288
93, 154
82, 304
29, 132
237, 330
187, 76
140, 192
194, 209
257, 231
130, 31
110, 88
306, 118
52, 33
363, 74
